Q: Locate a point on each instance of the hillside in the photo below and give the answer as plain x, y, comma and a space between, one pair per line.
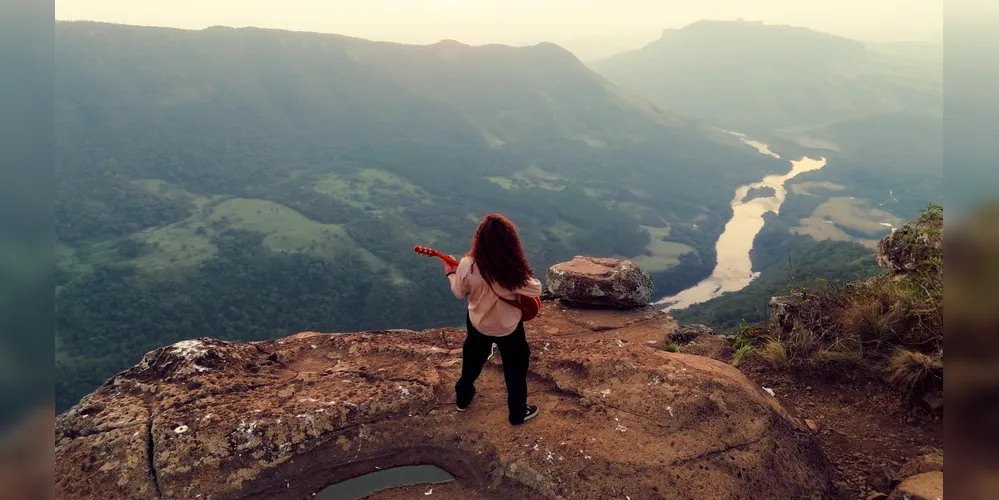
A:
890, 143
249, 183
749, 75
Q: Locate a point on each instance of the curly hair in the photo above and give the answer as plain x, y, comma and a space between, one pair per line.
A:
497, 252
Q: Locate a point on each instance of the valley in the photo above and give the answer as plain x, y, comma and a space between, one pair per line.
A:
734, 270
289, 198
251, 183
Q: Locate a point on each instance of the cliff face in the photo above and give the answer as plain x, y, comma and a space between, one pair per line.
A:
285, 418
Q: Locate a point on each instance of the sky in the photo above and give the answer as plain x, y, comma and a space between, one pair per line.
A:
519, 22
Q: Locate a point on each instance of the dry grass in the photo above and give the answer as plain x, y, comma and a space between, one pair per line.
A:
890, 324
741, 353
878, 315
909, 370
840, 357
774, 353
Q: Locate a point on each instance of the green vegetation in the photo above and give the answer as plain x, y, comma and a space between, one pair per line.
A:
848, 219
890, 324
895, 142
248, 183
804, 261
660, 254
741, 353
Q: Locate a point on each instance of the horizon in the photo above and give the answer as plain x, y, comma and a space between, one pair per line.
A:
596, 24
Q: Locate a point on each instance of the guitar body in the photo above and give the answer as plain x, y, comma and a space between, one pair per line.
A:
529, 306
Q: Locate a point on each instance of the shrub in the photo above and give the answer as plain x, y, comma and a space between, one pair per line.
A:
774, 353
909, 370
741, 353
671, 347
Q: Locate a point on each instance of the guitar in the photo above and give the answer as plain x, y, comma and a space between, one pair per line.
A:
529, 306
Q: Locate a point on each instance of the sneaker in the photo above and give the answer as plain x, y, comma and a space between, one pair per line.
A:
531, 412
460, 407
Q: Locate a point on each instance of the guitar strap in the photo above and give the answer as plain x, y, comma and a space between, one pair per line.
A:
513, 303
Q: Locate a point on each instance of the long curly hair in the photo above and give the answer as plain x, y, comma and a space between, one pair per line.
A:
497, 252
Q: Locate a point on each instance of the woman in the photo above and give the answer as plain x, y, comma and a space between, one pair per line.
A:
493, 270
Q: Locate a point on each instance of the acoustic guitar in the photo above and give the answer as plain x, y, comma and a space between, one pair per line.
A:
529, 306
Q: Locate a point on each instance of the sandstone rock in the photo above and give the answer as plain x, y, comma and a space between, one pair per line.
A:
912, 245
813, 425
546, 294
783, 311
686, 333
600, 282
711, 346
932, 462
926, 486
284, 419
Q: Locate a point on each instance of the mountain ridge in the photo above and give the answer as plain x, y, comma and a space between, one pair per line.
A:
746, 74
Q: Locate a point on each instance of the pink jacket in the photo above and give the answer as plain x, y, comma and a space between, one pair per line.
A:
489, 315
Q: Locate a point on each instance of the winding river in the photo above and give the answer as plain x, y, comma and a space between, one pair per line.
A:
734, 270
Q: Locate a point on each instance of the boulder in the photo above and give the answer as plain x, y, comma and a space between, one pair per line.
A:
711, 346
913, 246
931, 462
601, 282
686, 333
783, 312
702, 341
925, 486
284, 419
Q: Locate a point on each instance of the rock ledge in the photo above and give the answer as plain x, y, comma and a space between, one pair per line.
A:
283, 419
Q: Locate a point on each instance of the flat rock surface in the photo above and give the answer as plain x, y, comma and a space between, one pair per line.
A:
285, 418
601, 282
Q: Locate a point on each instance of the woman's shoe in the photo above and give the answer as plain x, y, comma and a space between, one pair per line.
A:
531, 412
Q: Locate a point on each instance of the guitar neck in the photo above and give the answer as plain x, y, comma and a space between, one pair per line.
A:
430, 252
448, 259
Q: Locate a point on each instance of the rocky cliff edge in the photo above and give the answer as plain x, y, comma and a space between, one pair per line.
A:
620, 418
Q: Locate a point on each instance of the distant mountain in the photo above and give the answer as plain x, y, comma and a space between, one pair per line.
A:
747, 74
250, 183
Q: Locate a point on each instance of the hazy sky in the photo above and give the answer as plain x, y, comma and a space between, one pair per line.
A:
517, 21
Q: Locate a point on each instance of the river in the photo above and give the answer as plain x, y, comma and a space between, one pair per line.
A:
734, 270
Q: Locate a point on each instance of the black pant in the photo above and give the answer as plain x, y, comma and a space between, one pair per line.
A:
516, 357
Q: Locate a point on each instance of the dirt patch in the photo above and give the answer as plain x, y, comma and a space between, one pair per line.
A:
866, 430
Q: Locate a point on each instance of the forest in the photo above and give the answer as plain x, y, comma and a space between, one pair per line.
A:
794, 263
